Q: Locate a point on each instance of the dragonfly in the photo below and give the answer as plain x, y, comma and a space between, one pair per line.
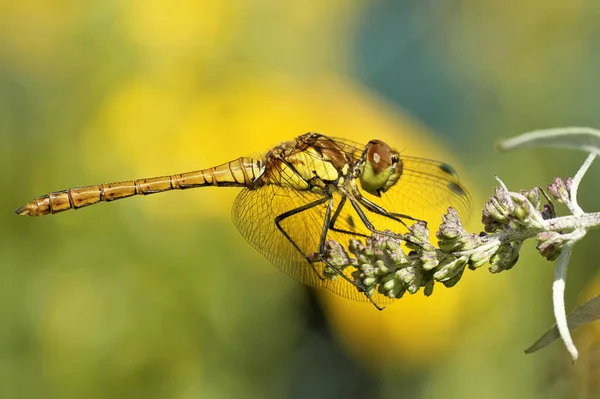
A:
301, 194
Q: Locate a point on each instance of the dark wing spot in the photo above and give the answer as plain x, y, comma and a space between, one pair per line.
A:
456, 189
447, 169
350, 221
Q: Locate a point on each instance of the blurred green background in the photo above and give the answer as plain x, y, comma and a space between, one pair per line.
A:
160, 297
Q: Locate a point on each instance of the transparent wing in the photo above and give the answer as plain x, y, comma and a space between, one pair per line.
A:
424, 191
254, 213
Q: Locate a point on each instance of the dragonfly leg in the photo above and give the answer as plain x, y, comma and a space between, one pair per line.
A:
366, 220
326, 226
293, 212
333, 228
363, 217
322, 241
380, 211
335, 218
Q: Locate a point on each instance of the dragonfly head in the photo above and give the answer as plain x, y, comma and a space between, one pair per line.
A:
380, 168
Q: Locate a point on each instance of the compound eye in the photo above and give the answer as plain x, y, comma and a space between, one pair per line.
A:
379, 171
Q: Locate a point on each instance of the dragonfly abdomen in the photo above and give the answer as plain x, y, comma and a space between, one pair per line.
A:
241, 172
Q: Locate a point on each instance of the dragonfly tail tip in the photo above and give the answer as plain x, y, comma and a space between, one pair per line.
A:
23, 211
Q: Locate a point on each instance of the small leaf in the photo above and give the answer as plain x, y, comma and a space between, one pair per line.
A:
584, 314
579, 138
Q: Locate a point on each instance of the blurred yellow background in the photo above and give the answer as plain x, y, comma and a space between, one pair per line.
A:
161, 297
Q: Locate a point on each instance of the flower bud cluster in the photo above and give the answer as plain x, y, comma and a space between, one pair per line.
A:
392, 264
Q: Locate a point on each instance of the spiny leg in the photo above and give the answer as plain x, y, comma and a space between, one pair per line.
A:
336, 214
363, 217
355, 234
322, 240
380, 211
323, 236
326, 224
295, 211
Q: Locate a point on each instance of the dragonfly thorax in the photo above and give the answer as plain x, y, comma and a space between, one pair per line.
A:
380, 168
312, 163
